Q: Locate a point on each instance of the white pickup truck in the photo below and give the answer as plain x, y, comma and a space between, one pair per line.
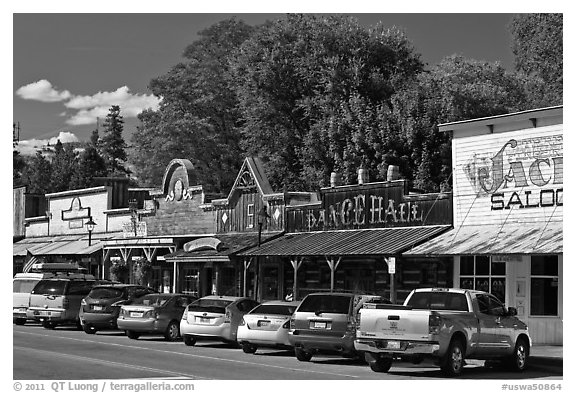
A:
445, 325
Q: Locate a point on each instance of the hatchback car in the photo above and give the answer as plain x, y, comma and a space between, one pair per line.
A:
56, 301
326, 322
215, 317
100, 309
157, 313
267, 325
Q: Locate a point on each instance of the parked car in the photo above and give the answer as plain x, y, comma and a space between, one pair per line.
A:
267, 325
158, 313
446, 326
214, 317
22, 286
326, 322
56, 301
100, 309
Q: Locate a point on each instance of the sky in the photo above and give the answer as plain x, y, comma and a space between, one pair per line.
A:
69, 68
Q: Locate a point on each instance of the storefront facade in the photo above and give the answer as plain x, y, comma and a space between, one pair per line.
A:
508, 214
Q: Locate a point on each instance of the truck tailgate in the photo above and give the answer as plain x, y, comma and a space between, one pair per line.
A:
404, 324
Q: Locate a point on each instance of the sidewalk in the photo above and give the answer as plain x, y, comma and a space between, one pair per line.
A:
546, 356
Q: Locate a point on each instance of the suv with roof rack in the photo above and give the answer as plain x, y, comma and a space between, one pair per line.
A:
56, 301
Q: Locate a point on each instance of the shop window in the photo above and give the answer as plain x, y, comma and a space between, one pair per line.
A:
544, 285
483, 274
191, 281
250, 216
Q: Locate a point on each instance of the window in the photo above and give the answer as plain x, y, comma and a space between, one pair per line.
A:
544, 285
483, 274
250, 216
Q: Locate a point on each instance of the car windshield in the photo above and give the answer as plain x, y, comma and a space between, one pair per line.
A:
210, 305
438, 301
326, 304
152, 300
24, 286
105, 293
49, 287
274, 309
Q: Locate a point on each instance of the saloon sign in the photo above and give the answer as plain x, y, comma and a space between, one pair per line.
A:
524, 173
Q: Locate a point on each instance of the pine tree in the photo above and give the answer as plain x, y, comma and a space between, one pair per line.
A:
90, 165
63, 165
112, 145
37, 175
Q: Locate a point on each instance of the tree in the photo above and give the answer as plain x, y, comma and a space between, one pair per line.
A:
90, 165
63, 165
18, 167
308, 88
37, 175
537, 45
112, 145
198, 117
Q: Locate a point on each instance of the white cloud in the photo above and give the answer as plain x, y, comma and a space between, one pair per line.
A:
85, 109
43, 91
30, 146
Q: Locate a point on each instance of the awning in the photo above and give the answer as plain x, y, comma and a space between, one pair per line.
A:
227, 245
60, 245
545, 238
386, 241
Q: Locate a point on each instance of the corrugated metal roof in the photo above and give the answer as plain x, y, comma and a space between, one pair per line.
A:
494, 240
230, 245
60, 245
386, 241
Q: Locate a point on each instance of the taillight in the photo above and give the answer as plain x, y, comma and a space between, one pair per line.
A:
358, 317
434, 324
227, 316
292, 323
286, 325
185, 315
65, 303
152, 314
351, 325
242, 322
83, 302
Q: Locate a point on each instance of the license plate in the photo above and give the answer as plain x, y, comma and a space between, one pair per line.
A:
393, 345
137, 314
98, 308
202, 320
263, 323
318, 325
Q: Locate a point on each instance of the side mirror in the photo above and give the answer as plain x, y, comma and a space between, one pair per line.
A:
512, 311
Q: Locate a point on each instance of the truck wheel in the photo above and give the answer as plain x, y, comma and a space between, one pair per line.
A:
48, 325
453, 362
189, 340
381, 365
302, 355
132, 334
89, 329
519, 359
20, 321
249, 348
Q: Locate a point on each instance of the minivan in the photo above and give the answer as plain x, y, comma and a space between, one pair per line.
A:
325, 322
22, 286
56, 301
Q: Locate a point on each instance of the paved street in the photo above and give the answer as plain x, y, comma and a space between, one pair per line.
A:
66, 353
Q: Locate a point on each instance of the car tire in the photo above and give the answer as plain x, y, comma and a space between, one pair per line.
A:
302, 355
518, 361
189, 340
172, 332
48, 325
453, 362
380, 365
89, 329
20, 321
249, 348
132, 334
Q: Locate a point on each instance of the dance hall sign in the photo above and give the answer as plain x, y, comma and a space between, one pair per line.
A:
378, 206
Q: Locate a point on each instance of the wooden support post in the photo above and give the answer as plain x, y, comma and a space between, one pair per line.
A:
296, 263
247, 263
333, 266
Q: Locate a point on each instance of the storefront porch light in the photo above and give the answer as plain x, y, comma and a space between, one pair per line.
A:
90, 226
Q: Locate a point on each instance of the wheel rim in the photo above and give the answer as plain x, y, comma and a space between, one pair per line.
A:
456, 359
521, 356
173, 331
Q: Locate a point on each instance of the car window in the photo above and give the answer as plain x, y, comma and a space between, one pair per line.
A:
80, 287
326, 303
24, 286
496, 307
50, 287
152, 300
438, 301
483, 304
105, 293
243, 306
274, 309
139, 292
210, 305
